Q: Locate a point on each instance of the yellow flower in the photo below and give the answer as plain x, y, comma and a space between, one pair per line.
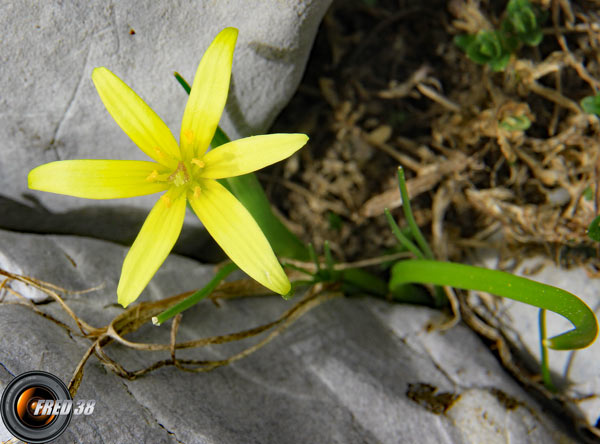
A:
185, 171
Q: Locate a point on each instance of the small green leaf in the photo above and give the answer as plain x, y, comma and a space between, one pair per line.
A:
485, 47
591, 104
463, 41
516, 123
500, 64
523, 21
593, 231
335, 221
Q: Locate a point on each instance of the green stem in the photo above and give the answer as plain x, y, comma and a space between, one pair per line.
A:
197, 296
313, 257
410, 218
328, 257
185, 85
404, 241
439, 297
546, 376
506, 285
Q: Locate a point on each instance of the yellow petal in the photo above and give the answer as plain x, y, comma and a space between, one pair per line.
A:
152, 245
97, 179
208, 96
240, 237
137, 119
250, 154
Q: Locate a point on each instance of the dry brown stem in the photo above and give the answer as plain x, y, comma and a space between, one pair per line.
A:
136, 316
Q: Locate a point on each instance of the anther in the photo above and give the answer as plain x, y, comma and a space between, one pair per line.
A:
197, 191
152, 176
198, 163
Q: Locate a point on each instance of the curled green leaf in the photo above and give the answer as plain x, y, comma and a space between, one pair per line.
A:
509, 286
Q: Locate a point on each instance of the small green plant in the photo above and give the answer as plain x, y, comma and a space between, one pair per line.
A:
591, 104
516, 123
502, 284
521, 25
485, 47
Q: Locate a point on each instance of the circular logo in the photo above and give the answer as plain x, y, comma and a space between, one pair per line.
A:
36, 407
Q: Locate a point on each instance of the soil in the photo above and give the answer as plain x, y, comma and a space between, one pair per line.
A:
386, 86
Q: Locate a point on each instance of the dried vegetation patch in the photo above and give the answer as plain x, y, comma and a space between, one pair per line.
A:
386, 85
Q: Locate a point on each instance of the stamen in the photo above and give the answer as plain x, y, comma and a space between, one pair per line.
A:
152, 176
197, 191
159, 152
188, 134
198, 162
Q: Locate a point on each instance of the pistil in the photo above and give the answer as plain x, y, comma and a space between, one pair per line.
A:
180, 176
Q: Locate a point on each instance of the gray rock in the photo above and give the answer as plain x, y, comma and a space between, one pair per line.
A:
352, 370
576, 372
50, 109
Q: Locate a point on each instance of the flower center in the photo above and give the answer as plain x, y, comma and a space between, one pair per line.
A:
180, 176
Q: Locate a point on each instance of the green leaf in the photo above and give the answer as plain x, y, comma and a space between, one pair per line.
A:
593, 231
195, 297
463, 41
485, 47
509, 286
500, 63
523, 22
356, 280
516, 123
591, 104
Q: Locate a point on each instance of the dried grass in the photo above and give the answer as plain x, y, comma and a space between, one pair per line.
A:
373, 100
